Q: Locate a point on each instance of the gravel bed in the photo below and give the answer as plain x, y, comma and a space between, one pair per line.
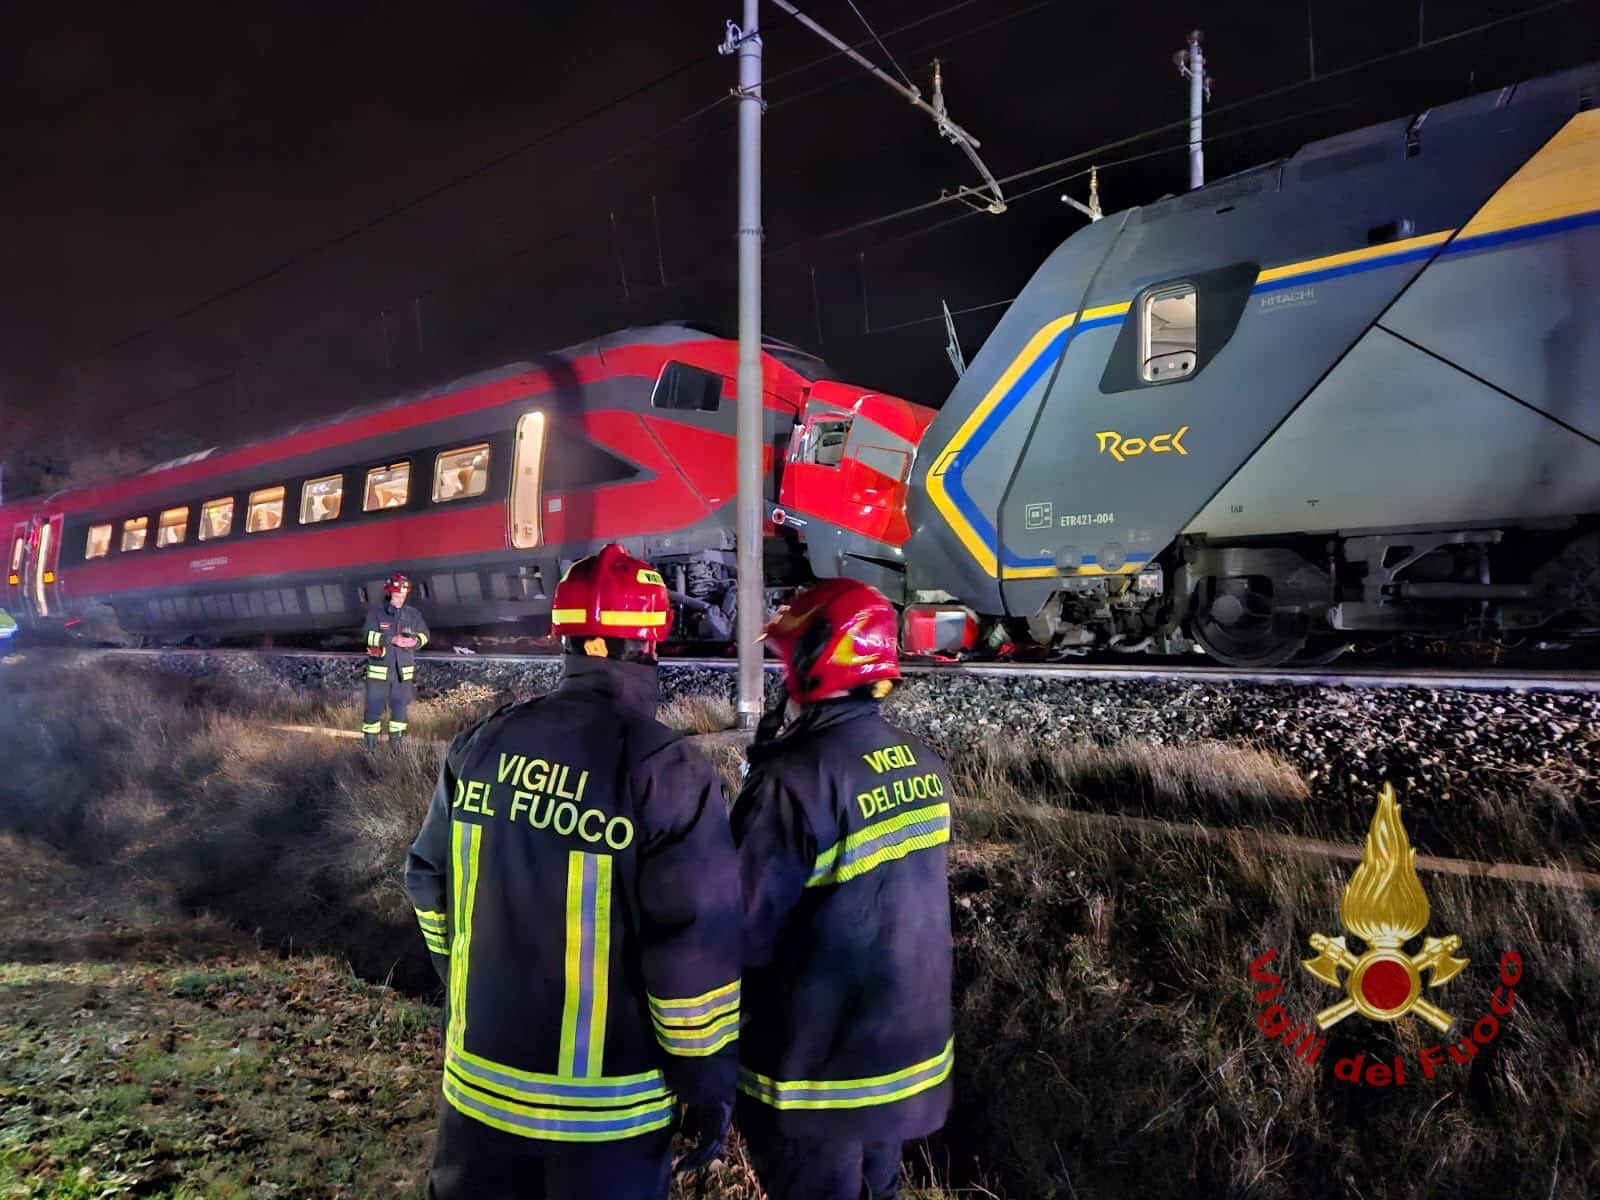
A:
1441, 748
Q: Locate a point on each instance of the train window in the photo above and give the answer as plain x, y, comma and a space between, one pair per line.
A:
458, 474
824, 440
320, 499
98, 545
1167, 334
173, 526
684, 387
133, 533
216, 518
387, 487
265, 510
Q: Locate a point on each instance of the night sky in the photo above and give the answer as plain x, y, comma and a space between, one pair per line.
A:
223, 219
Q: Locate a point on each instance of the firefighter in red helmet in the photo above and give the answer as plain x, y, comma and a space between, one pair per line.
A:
843, 825
576, 883
394, 631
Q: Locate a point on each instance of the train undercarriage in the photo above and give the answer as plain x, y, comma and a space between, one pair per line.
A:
1267, 604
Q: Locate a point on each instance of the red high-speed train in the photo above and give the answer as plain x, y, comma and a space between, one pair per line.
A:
483, 491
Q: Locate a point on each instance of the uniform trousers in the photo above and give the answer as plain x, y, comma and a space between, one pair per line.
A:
391, 694
472, 1161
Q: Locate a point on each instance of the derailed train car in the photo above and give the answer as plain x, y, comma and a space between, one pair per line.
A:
484, 491
1355, 391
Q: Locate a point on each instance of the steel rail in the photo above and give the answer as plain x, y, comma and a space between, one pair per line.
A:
1430, 679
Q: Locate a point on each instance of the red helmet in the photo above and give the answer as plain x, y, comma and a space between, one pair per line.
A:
834, 636
396, 583
612, 594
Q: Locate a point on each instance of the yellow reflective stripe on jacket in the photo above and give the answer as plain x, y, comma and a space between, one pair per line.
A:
699, 1025
850, 1093
433, 926
588, 964
377, 672
883, 841
559, 1124
408, 673
374, 637
698, 1043
528, 1087
465, 841
699, 1008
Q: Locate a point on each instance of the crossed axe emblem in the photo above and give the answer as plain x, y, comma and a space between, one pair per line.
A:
1385, 983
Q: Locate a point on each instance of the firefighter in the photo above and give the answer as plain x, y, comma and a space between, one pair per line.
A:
843, 825
394, 633
576, 882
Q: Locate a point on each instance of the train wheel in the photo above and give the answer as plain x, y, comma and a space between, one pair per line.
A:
1236, 623
1322, 650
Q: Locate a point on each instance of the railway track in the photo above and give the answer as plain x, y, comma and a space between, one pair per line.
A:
1570, 682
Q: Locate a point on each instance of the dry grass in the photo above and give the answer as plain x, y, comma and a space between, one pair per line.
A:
1103, 984
698, 714
1106, 1026
1212, 780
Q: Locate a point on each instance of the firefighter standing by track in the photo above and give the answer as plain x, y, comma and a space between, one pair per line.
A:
394, 633
576, 881
843, 826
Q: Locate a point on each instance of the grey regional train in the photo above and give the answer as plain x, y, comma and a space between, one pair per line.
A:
1349, 393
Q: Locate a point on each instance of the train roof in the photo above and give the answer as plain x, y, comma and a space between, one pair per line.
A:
1316, 161
665, 333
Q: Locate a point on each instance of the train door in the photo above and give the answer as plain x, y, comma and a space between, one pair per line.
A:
527, 475
43, 560
15, 591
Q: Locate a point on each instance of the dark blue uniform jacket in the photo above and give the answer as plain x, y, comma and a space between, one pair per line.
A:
843, 825
397, 664
577, 882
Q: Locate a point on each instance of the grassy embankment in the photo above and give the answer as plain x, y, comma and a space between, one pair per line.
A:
163, 847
